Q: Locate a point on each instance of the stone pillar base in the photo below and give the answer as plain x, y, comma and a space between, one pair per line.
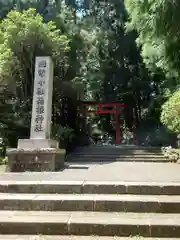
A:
35, 160
37, 143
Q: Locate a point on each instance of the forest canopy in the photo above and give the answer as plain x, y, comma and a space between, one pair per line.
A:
108, 50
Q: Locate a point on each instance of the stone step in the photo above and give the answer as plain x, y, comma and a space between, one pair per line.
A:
111, 158
118, 152
90, 187
120, 157
90, 223
90, 202
119, 148
117, 155
63, 237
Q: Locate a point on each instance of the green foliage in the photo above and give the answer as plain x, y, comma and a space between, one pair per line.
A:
159, 136
115, 70
153, 133
2, 147
157, 23
45, 8
24, 35
93, 54
171, 153
64, 135
3, 160
170, 115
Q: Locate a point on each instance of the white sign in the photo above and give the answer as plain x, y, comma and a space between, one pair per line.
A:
42, 99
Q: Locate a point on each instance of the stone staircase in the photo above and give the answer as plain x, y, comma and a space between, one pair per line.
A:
89, 209
117, 153
62, 209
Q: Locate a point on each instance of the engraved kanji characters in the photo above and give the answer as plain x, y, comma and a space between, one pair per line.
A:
40, 91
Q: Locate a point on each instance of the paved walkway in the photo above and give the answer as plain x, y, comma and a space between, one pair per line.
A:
116, 171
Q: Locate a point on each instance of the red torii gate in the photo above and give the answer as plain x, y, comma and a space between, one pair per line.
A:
114, 111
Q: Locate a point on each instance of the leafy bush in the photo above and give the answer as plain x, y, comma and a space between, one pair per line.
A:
64, 135
152, 134
160, 136
171, 153
170, 115
23, 36
19, 35
3, 160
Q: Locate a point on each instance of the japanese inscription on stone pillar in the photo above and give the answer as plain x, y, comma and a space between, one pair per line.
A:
42, 99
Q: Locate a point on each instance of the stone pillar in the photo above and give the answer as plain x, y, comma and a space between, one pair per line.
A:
39, 153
